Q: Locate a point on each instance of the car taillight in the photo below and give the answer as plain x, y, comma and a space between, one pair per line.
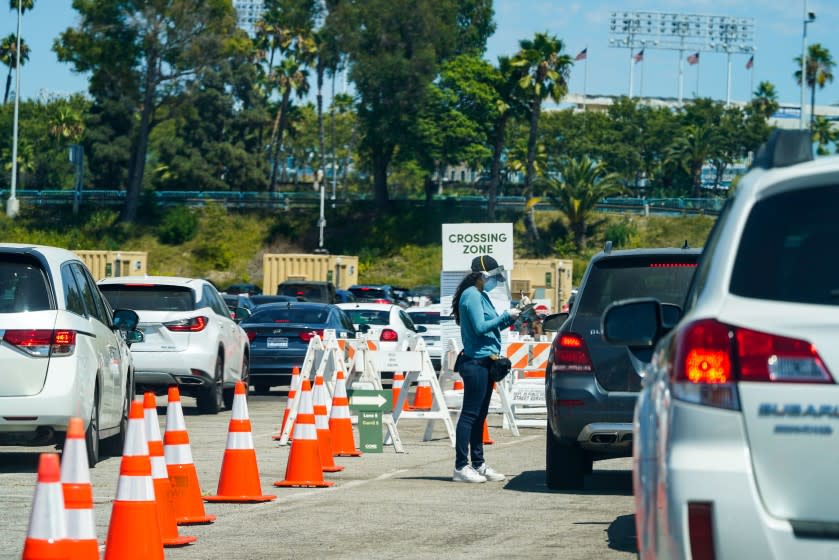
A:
306, 336
711, 357
251, 335
570, 354
42, 343
389, 335
380, 300
195, 324
701, 530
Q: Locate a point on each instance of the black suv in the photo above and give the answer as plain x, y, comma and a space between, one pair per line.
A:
590, 385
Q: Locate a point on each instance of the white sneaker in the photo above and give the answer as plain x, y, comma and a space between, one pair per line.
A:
490, 474
468, 474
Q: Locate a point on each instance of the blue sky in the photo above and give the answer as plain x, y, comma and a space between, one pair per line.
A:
579, 24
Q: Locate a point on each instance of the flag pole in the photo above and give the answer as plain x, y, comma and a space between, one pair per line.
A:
697, 80
752, 79
585, 80
641, 89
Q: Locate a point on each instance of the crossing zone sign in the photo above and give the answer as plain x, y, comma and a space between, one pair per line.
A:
464, 242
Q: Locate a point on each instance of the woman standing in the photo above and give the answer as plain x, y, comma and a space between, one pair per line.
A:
480, 330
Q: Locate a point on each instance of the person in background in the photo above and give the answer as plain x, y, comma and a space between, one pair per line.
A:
480, 330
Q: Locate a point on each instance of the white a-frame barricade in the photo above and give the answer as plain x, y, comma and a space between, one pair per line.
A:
418, 368
525, 386
314, 356
365, 374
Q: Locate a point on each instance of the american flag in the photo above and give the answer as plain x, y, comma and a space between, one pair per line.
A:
750, 63
639, 57
583, 54
693, 59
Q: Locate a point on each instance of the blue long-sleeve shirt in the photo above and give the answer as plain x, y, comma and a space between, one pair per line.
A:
480, 325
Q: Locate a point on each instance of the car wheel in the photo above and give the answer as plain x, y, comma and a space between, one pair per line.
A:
114, 445
211, 400
565, 464
91, 435
231, 392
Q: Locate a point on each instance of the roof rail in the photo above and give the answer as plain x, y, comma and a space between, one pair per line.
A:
686, 245
784, 148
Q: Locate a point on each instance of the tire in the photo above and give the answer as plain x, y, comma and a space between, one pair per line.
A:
114, 445
565, 464
211, 400
91, 435
231, 392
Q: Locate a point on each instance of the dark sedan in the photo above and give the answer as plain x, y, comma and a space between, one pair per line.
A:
279, 335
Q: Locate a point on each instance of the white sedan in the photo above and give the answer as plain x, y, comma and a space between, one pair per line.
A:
429, 317
191, 339
386, 323
64, 352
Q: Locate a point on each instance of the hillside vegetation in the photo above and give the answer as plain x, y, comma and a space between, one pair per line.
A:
403, 248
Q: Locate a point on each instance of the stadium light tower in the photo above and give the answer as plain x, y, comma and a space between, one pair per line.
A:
13, 204
683, 33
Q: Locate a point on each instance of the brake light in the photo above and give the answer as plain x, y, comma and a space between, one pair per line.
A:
701, 530
711, 357
306, 336
381, 300
570, 354
389, 335
251, 335
673, 265
196, 324
42, 343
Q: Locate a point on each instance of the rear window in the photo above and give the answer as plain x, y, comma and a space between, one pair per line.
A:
290, 315
368, 317
425, 317
369, 293
23, 286
788, 249
149, 298
665, 278
304, 291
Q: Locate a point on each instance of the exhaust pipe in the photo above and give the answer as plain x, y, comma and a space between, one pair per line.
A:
189, 381
604, 438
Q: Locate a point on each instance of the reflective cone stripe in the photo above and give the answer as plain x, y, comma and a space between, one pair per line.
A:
78, 494
134, 531
517, 353
539, 355
304, 465
340, 422
239, 478
289, 403
422, 397
160, 477
46, 537
322, 427
186, 492
396, 389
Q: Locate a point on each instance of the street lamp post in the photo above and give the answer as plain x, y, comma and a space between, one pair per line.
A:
809, 17
13, 204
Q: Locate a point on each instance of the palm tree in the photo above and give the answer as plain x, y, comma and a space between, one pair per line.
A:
691, 150
823, 134
583, 185
819, 69
66, 124
8, 50
547, 70
291, 76
508, 104
765, 99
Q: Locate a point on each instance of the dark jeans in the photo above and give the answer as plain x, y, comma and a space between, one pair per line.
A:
477, 390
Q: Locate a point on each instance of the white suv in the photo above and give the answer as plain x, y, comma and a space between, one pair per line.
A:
191, 337
736, 430
63, 352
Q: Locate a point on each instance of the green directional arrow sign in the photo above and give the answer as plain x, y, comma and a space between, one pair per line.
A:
378, 401
369, 406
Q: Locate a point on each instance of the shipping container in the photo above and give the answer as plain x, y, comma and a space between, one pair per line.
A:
105, 264
341, 270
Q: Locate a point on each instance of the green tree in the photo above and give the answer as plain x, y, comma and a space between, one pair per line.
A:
823, 134
693, 147
819, 70
142, 54
583, 184
765, 99
8, 56
546, 77
292, 76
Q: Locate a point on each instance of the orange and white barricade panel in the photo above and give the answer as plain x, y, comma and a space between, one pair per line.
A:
314, 355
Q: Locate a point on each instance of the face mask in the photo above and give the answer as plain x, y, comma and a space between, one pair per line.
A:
490, 283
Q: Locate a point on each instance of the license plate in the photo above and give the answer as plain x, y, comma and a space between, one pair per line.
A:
277, 343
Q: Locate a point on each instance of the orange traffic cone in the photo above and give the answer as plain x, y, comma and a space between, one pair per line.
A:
160, 477
46, 538
487, 439
340, 423
78, 494
422, 397
322, 427
304, 467
134, 531
186, 492
396, 389
239, 478
289, 402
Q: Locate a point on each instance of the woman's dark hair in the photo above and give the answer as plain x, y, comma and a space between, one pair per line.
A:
468, 281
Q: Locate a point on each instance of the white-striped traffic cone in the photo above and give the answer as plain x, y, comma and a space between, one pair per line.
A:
322, 426
78, 494
289, 402
340, 422
46, 538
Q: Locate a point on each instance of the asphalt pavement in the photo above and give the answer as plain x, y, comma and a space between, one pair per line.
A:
382, 505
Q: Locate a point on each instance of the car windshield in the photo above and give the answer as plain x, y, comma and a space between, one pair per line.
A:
149, 298
290, 315
23, 286
368, 316
369, 293
665, 278
788, 249
425, 317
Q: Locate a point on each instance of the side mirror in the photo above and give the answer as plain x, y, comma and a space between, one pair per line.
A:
421, 328
133, 336
554, 322
670, 315
125, 319
638, 322
241, 314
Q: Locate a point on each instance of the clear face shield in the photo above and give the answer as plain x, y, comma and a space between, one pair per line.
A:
494, 279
